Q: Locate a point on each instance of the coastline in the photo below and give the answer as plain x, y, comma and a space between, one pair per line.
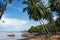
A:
42, 37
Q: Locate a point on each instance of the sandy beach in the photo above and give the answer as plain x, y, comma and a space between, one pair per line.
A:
42, 37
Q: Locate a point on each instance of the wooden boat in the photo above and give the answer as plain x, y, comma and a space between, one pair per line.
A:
11, 35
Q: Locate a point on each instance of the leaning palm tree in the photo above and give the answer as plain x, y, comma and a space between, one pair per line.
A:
2, 9
3, 6
37, 11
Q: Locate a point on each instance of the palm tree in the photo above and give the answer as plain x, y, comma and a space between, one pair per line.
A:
37, 11
3, 6
54, 5
2, 9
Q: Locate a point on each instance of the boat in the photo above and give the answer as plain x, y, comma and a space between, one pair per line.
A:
11, 35
24, 35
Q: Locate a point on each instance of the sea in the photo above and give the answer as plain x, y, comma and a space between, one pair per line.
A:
4, 35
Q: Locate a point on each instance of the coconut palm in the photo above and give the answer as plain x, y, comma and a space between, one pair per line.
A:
54, 5
3, 6
2, 9
37, 11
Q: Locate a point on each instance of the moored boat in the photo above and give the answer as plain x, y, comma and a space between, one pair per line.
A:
11, 35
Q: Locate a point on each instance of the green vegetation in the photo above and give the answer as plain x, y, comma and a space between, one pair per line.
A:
37, 10
38, 29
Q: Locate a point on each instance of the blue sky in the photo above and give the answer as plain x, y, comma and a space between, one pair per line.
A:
14, 18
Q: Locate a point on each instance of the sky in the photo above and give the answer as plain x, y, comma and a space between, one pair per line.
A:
14, 18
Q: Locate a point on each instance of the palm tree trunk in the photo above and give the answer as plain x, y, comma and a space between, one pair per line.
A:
47, 36
42, 27
3, 10
1, 15
46, 28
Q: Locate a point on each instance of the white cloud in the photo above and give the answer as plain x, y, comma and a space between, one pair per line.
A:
55, 17
11, 23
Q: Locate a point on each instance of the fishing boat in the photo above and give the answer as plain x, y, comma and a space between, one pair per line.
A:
11, 35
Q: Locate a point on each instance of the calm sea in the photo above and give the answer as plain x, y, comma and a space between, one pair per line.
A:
3, 35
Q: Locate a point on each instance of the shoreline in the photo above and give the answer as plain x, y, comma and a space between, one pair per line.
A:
42, 37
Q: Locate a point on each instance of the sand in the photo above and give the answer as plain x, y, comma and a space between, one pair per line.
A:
42, 37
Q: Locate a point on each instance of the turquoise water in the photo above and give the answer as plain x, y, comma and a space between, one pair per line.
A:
3, 35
